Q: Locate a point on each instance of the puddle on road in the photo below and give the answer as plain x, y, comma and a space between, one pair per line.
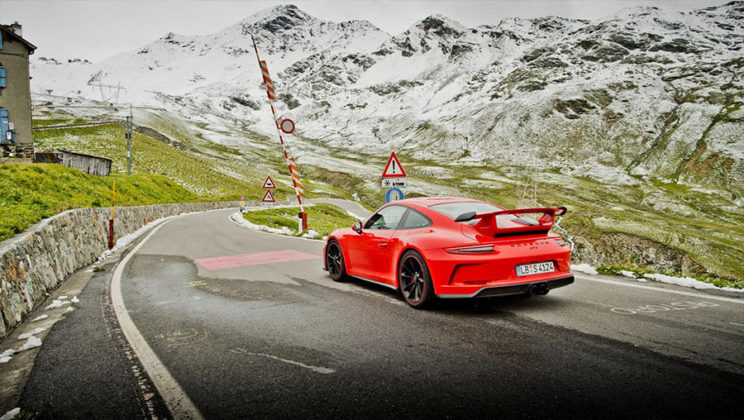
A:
170, 277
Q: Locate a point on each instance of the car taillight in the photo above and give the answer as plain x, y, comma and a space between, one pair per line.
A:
479, 249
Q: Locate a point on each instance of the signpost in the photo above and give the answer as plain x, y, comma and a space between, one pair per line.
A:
393, 194
269, 183
286, 126
268, 198
393, 178
393, 169
111, 220
130, 126
394, 182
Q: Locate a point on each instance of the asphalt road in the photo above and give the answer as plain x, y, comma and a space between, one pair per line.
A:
247, 338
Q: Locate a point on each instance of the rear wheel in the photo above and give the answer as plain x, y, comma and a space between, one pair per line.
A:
415, 280
335, 261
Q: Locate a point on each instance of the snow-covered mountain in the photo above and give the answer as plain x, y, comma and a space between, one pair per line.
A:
642, 92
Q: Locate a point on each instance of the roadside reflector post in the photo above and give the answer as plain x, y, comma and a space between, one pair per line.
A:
302, 221
111, 220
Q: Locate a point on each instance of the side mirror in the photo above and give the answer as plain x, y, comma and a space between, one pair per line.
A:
357, 227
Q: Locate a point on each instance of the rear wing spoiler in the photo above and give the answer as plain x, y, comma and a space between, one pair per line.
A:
489, 225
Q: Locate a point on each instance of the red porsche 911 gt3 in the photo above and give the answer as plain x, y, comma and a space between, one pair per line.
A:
452, 248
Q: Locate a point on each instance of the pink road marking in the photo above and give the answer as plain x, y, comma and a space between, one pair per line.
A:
232, 261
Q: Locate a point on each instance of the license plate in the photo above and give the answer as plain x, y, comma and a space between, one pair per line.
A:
536, 268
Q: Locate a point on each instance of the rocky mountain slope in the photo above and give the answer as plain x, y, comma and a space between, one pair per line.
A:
633, 121
642, 92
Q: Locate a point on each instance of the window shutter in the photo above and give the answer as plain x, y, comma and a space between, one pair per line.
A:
3, 80
1, 40
3, 126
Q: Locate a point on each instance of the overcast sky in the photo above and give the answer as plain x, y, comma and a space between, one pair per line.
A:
98, 29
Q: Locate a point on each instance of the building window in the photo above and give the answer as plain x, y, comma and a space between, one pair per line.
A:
3, 79
1, 40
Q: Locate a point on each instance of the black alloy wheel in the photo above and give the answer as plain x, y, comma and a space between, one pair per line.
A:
335, 261
415, 280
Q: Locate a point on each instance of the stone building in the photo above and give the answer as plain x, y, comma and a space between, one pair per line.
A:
16, 135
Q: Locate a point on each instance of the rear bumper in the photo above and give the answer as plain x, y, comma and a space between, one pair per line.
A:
513, 289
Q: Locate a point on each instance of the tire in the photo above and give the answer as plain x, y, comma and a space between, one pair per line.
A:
414, 280
334, 259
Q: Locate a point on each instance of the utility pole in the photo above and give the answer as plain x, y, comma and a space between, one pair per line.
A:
130, 124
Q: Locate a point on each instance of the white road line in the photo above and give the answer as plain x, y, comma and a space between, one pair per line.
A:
316, 369
659, 289
179, 404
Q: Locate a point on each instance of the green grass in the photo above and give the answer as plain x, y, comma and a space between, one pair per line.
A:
208, 177
31, 192
322, 218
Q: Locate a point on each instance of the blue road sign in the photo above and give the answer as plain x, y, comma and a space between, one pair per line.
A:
393, 194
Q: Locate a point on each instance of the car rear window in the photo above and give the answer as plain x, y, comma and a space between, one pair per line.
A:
452, 210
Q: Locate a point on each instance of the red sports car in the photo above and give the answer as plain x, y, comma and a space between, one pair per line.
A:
452, 248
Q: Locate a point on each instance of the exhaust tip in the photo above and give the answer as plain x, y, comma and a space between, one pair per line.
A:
539, 289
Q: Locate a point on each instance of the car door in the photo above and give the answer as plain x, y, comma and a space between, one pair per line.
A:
370, 253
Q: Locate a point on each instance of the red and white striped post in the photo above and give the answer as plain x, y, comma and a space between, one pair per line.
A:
291, 162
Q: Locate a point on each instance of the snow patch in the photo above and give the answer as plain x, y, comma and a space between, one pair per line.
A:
30, 344
311, 234
690, 282
12, 413
28, 335
75, 299
628, 274
39, 318
584, 268
57, 303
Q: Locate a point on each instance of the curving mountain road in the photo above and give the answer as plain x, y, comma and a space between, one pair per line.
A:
246, 324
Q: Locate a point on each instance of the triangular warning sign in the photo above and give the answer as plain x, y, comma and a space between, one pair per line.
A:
269, 183
393, 169
268, 197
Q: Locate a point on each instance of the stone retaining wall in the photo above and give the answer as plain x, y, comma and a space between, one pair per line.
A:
38, 260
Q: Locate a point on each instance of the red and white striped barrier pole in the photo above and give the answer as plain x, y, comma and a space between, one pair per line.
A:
291, 162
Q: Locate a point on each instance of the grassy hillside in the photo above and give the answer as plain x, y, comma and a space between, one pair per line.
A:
204, 176
31, 192
626, 224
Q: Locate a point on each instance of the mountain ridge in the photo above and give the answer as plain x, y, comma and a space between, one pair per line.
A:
642, 93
